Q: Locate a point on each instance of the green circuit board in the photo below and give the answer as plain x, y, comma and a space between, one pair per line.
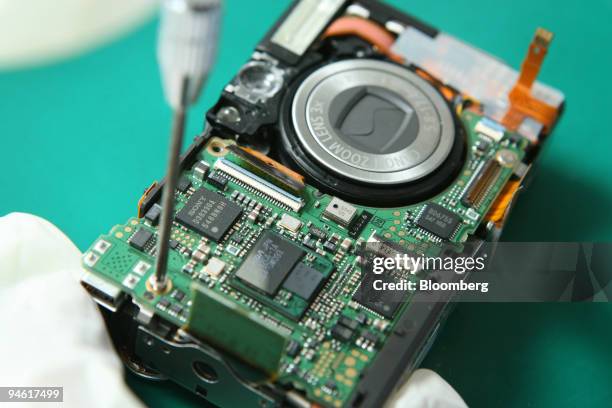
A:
321, 338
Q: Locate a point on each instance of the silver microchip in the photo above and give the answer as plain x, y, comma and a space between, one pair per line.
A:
340, 211
290, 223
214, 267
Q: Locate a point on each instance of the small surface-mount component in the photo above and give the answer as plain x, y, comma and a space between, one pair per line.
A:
290, 223
209, 214
342, 333
359, 223
438, 220
200, 170
174, 244
346, 244
217, 180
309, 243
472, 214
178, 295
232, 250
304, 281
140, 239
188, 268
348, 322
253, 216
361, 318
370, 337
330, 246
293, 348
340, 212
482, 146
214, 267
317, 233
331, 386
198, 256
176, 309
183, 185
153, 214
163, 303
269, 262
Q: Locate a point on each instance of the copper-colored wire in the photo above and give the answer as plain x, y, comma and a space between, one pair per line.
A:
144, 197
367, 30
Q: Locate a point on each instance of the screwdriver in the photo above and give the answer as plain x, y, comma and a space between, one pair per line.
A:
186, 49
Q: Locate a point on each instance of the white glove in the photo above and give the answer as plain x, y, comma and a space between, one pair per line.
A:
56, 336
52, 333
426, 389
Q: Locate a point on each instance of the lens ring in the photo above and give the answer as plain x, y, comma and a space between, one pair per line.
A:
320, 136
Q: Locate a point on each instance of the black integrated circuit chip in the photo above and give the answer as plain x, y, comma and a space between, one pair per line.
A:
217, 180
348, 322
209, 214
359, 223
384, 302
140, 239
317, 232
304, 281
341, 333
183, 185
438, 220
269, 262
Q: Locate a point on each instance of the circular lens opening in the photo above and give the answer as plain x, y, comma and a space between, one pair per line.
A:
261, 78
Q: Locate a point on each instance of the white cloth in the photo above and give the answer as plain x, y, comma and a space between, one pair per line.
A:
53, 335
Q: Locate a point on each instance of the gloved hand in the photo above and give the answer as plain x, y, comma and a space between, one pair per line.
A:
53, 335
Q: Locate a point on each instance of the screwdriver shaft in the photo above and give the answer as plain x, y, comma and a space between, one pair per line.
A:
167, 214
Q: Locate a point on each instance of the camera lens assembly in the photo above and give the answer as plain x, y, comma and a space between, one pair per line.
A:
362, 126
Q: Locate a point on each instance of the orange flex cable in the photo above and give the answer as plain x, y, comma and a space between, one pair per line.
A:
367, 30
143, 197
447, 92
500, 206
522, 102
273, 163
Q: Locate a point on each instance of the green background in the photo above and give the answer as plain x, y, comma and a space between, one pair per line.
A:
80, 140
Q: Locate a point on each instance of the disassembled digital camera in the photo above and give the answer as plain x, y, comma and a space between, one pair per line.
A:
350, 123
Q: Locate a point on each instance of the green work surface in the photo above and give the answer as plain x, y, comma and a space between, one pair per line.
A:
81, 139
